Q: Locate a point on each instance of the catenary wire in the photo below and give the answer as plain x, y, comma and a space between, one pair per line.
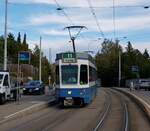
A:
95, 17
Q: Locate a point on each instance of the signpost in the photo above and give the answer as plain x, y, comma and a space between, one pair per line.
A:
22, 56
135, 70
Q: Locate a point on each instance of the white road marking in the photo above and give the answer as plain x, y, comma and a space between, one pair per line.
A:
21, 111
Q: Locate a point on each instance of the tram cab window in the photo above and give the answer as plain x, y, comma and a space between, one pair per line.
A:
69, 74
57, 74
83, 74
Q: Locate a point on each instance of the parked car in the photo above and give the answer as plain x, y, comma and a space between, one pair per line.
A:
144, 84
34, 87
139, 83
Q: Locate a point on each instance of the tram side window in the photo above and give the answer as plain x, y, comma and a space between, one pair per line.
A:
92, 74
57, 74
83, 74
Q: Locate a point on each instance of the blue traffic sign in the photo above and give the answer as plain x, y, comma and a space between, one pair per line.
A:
135, 69
24, 56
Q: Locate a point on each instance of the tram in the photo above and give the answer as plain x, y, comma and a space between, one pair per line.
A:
76, 76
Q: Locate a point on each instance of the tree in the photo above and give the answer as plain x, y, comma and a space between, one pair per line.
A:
146, 54
107, 62
24, 44
24, 39
47, 69
12, 48
129, 47
19, 38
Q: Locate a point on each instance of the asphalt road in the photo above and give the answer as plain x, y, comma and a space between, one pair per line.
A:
25, 102
54, 118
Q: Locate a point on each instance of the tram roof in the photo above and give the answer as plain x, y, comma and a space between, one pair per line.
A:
79, 55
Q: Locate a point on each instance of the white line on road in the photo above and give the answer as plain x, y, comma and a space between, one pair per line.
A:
21, 111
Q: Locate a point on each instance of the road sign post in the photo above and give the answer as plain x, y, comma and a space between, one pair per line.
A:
135, 70
22, 56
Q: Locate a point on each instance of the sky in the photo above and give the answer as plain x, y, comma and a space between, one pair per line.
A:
41, 18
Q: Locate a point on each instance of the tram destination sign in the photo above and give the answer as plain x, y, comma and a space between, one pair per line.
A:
69, 57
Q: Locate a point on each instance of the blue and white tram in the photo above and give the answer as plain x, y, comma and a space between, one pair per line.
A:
75, 78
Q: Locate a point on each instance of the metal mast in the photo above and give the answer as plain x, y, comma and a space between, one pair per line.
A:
5, 44
40, 60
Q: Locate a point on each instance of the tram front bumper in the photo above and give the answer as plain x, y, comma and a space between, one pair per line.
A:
85, 93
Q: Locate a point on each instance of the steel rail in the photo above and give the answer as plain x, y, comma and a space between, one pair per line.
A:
105, 114
126, 120
126, 113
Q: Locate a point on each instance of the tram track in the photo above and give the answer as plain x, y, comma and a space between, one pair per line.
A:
125, 126
109, 110
104, 115
123, 114
126, 118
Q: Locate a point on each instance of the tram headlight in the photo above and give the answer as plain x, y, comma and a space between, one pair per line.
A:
69, 92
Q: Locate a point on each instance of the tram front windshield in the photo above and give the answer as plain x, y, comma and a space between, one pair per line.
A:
69, 74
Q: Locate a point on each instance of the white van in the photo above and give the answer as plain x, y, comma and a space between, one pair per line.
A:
7, 92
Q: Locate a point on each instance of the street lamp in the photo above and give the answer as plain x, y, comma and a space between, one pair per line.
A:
146, 7
5, 44
119, 59
40, 60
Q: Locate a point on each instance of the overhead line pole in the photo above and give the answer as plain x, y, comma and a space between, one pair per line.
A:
114, 19
40, 60
50, 56
119, 52
119, 63
5, 43
119, 75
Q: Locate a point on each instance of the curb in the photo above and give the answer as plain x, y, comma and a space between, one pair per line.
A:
139, 101
27, 111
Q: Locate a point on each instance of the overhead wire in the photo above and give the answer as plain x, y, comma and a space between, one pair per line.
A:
117, 6
67, 16
64, 12
95, 17
114, 19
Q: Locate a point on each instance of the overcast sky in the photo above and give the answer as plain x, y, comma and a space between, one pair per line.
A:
41, 17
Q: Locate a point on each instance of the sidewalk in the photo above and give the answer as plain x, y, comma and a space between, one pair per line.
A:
145, 95
142, 98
